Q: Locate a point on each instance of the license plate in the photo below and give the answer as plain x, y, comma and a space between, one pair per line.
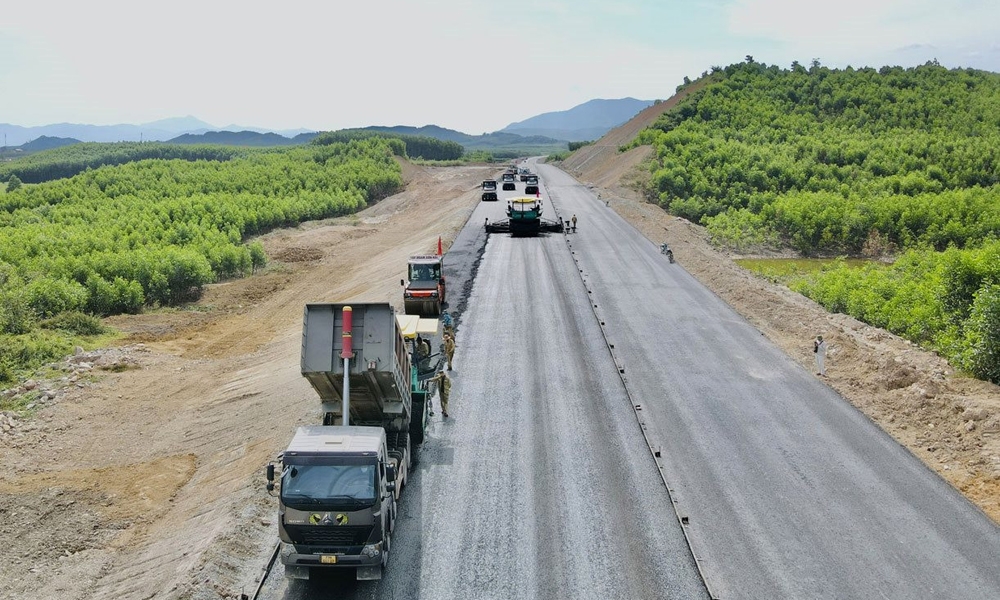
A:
328, 560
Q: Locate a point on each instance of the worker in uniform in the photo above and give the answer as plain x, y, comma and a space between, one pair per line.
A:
444, 388
449, 324
449, 348
573, 220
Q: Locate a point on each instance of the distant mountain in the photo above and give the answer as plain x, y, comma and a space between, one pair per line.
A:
235, 138
588, 121
154, 131
487, 141
17, 135
47, 143
186, 124
549, 131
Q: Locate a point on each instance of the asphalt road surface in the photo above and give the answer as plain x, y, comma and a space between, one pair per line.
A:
541, 485
790, 492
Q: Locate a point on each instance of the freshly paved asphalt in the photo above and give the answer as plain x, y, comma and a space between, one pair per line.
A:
541, 485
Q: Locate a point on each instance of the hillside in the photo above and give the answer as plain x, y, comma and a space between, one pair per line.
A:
591, 160
898, 165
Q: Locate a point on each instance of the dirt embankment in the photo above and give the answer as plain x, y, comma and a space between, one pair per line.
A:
951, 422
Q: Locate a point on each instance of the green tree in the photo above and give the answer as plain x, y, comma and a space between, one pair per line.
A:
982, 335
13, 183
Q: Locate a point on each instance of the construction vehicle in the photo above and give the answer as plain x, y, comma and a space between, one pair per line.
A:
508, 181
531, 185
340, 482
489, 190
424, 288
524, 219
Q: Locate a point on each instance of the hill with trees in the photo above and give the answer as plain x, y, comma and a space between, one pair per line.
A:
889, 163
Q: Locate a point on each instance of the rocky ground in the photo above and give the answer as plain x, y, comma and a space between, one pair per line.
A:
137, 472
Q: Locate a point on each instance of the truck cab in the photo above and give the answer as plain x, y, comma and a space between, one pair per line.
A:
424, 293
337, 500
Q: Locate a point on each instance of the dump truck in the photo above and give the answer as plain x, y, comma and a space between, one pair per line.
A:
531, 185
424, 288
489, 190
508, 180
340, 483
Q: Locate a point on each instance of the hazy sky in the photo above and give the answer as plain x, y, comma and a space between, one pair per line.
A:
471, 65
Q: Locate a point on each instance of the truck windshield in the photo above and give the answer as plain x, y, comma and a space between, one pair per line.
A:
420, 272
426, 272
334, 486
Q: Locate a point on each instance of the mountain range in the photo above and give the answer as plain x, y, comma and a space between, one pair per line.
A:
587, 121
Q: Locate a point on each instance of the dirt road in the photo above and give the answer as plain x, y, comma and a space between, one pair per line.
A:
145, 480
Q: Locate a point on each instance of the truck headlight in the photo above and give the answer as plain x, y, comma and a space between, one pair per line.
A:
372, 550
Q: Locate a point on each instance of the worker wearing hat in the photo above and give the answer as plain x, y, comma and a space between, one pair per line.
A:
449, 347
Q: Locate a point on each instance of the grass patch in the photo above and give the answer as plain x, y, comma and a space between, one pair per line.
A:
784, 270
22, 356
19, 404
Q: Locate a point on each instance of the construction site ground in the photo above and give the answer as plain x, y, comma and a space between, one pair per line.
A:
141, 475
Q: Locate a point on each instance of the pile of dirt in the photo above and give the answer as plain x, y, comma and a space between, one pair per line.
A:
950, 421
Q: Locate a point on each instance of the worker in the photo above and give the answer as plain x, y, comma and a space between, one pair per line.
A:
421, 349
573, 221
444, 388
449, 348
819, 349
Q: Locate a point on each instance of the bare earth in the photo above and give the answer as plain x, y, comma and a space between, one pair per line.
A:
142, 476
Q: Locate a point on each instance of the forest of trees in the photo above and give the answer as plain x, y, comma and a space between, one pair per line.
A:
153, 232
414, 146
77, 158
890, 163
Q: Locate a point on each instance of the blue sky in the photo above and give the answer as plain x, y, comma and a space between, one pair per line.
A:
471, 65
